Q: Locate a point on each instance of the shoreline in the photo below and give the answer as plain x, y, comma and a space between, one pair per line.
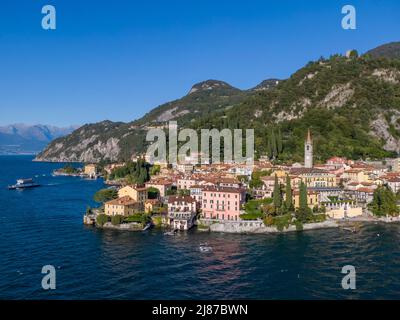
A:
256, 226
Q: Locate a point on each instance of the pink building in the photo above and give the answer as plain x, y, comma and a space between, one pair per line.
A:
222, 203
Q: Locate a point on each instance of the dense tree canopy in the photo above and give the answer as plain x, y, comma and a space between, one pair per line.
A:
105, 195
133, 172
384, 202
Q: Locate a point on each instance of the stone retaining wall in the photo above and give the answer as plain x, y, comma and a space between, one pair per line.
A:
257, 226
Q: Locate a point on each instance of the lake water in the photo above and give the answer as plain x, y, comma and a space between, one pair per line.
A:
43, 226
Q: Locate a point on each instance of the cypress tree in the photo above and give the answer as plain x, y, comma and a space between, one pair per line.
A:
303, 196
289, 195
303, 210
269, 147
279, 142
277, 194
273, 144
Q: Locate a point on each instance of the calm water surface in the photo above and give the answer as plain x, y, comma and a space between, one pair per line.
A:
44, 226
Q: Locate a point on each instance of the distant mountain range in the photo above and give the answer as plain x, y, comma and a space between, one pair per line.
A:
351, 104
29, 139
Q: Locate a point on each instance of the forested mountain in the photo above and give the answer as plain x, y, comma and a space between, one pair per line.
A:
114, 141
352, 106
390, 51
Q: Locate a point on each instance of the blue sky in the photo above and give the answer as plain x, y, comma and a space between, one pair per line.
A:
118, 59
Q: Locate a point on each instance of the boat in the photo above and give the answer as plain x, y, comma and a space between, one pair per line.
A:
204, 247
354, 228
147, 226
171, 232
24, 184
350, 229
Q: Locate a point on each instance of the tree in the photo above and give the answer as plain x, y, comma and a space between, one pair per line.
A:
153, 193
303, 196
353, 54
88, 210
155, 169
269, 148
183, 192
384, 202
133, 172
277, 195
279, 142
105, 195
117, 220
303, 211
273, 145
69, 169
101, 219
289, 195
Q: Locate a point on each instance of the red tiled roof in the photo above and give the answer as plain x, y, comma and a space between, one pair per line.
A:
124, 201
366, 190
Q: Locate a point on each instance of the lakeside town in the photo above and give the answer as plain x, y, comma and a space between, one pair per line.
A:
239, 198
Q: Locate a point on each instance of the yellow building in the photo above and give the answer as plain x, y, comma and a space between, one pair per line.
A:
138, 194
315, 178
280, 173
355, 175
124, 206
312, 199
342, 213
151, 205
90, 170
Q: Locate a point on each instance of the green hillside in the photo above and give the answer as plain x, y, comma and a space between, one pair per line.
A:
338, 98
352, 106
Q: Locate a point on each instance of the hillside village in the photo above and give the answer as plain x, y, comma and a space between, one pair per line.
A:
237, 198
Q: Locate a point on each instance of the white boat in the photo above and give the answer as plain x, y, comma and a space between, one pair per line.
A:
204, 247
147, 226
23, 184
171, 233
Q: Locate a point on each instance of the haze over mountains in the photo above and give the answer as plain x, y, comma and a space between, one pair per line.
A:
29, 139
351, 104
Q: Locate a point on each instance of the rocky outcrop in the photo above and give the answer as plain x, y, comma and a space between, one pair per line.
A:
381, 129
82, 153
388, 75
338, 96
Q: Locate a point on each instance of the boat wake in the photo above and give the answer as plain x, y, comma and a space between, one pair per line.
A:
204, 247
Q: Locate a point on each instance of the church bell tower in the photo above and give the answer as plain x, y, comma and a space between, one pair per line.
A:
308, 151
